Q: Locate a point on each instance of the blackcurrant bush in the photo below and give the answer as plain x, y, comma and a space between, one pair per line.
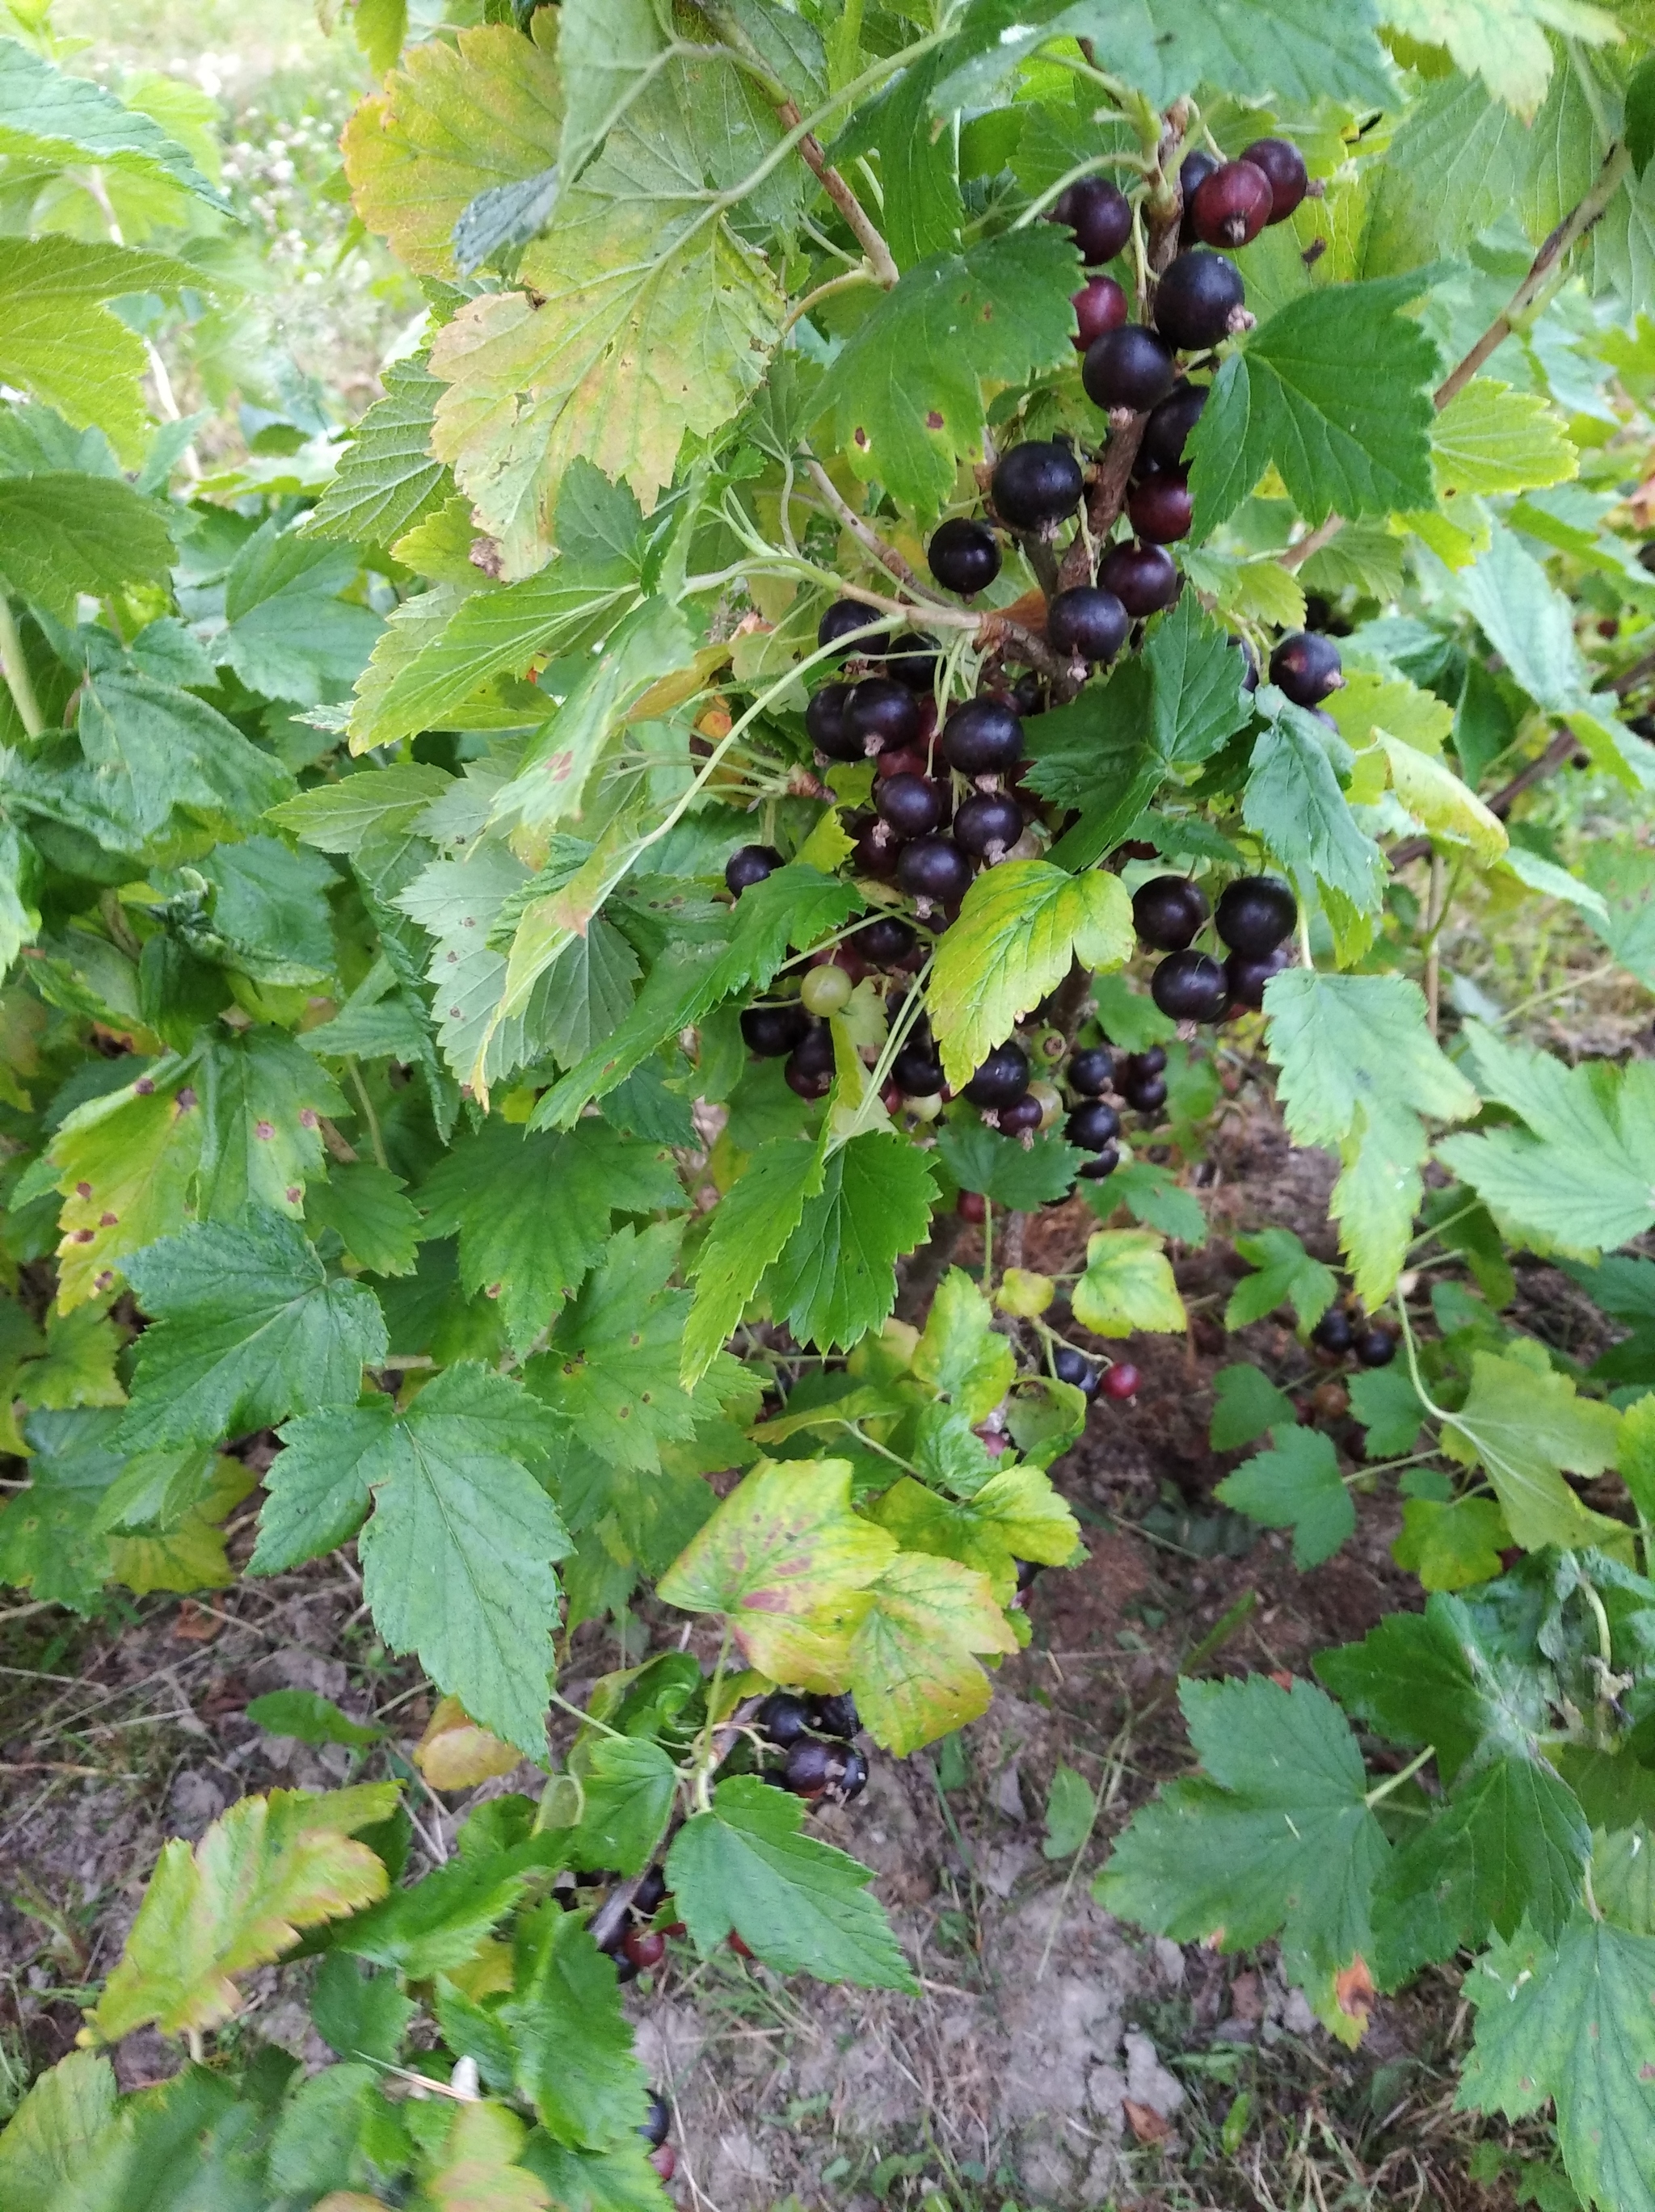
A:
888, 939
882, 714
1376, 1348
1255, 914
1166, 433
749, 865
1099, 307
657, 2123
1196, 300
912, 805
1144, 1095
1231, 206
1159, 508
1101, 1163
783, 1718
917, 1071
843, 619
1091, 1072
983, 738
1071, 1366
1100, 216
1023, 1116
1087, 622
1003, 1077
835, 1715
1128, 368
964, 556
1249, 972
825, 722
773, 1031
1143, 578
1093, 1125
1037, 483
1168, 912
912, 660
1333, 1332
1151, 1061
989, 826
1190, 987
1120, 1380
934, 868
1284, 165
1307, 666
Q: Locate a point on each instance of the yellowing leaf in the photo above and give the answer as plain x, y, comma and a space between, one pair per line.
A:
1452, 1547
1524, 1426
270, 1867
456, 1753
478, 2172
1366, 706
1437, 798
1020, 928
1128, 1285
1489, 438
1503, 41
911, 1663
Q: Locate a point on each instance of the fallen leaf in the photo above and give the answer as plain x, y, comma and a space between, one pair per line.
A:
1146, 2122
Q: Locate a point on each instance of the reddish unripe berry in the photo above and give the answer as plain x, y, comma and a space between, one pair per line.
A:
1120, 1380
1231, 206
664, 2158
972, 1207
1284, 165
646, 1947
1099, 307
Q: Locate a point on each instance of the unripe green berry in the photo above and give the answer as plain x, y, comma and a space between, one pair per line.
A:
826, 990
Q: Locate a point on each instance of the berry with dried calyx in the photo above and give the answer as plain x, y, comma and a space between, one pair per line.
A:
1284, 165
836, 1716
1086, 622
1100, 305
749, 865
912, 805
1190, 987
1129, 368
1231, 206
934, 868
1159, 508
1169, 912
1307, 667
1003, 1077
1143, 578
843, 619
1100, 215
989, 826
983, 738
964, 556
773, 1031
1037, 483
876, 850
1022, 1117
881, 716
1198, 301
1091, 1072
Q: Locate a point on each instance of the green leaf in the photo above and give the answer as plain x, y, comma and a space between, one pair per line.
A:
478, 2170
1295, 1486
749, 1229
1506, 45
620, 2180
1640, 130
628, 1785
1012, 1515
246, 1329
1250, 47
1452, 1547
980, 1158
1130, 1019
903, 398
1069, 1815
1245, 1402
1294, 804
359, 2015
386, 480
152, 749
1287, 1275
960, 1353
291, 634
365, 1208
1524, 1426
837, 1277
920, 206
1128, 1285
47, 2144
308, 1717
442, 1920
319, 1488
1274, 1838
1384, 1400
65, 534
1344, 445
48, 117
745, 1869
1358, 1070
1491, 438
573, 2043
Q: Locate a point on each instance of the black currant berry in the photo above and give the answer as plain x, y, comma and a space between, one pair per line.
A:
889, 938
917, 1071
1194, 170
964, 556
1128, 368
1028, 1569
1231, 206
773, 1031
1022, 1117
1143, 578
1190, 987
1092, 1125
1091, 1072
1037, 483
1099, 307
852, 1777
1003, 1077
1376, 1348
807, 1082
1087, 622
1284, 165
657, 2123
1159, 508
912, 660
874, 853
835, 1715
843, 619
989, 826
1027, 697
1168, 912
1196, 300
1146, 1094
812, 1764
651, 1891
1250, 664
882, 714
783, 1718
1249, 972
749, 865
1255, 914
983, 738
1151, 1061
934, 868
912, 805
1166, 433
1307, 666
1070, 1366
1333, 1332
825, 722
1100, 216
1101, 1163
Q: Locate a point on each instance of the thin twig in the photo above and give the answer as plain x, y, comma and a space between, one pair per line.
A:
860, 527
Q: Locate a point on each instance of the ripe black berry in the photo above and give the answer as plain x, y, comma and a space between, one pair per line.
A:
1087, 622
783, 1718
1284, 165
1255, 914
1249, 972
1161, 510
1307, 666
964, 556
1143, 578
887, 940
1028, 1569
1168, 911
1003, 1077
917, 1071
852, 1777
749, 865
1092, 1125
1099, 307
1027, 697
1194, 170
1231, 206
807, 1082
825, 722
1190, 987
1250, 664
1022, 1117
988, 825
1128, 368
1166, 432
1091, 1072
1376, 1348
912, 660
810, 1765
835, 1715
1037, 483
1070, 1366
657, 2123
912, 805
882, 714
773, 1031
934, 868
1101, 1163
1333, 1332
983, 738
1151, 1061
1100, 216
874, 853
1196, 300
843, 618
1144, 1094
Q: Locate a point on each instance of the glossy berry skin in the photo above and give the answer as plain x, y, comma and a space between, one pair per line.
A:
1166, 433
1101, 1164
934, 868
1074, 1367
1022, 1117
750, 865
1255, 914
1190, 987
972, 1207
1151, 1061
836, 1716
773, 1031
1028, 1569
983, 738
1088, 623
964, 556
886, 940
645, 1949
912, 805
1092, 1125
813, 1767
1307, 666
1376, 1348
1168, 912
843, 618
852, 1777
1143, 578
881, 715
783, 1718
1027, 697
1195, 168
1003, 1077
1129, 368
1231, 206
1333, 1332
809, 1069
911, 659
657, 2123
1100, 216
1249, 973
989, 826
1147, 1095
917, 1071
1196, 300
1161, 510
651, 1892
1091, 1072
1099, 307
825, 723
1120, 1380
1284, 165
1037, 483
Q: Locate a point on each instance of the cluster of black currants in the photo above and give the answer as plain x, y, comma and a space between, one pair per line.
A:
1119, 1380
815, 1737
1341, 1332
1255, 915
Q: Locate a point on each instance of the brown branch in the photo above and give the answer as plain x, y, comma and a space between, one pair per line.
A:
861, 229
1561, 749
860, 528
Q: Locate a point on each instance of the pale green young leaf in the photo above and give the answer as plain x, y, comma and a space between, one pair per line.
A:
914, 1651
1506, 44
749, 1228
366, 1209
477, 2168
1295, 1486
835, 1278
1128, 1285
1623, 876
65, 534
1525, 1426
1366, 704
1245, 1402
1491, 438
51, 119
960, 1353
1286, 1275
573, 2043
46, 2145
386, 480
